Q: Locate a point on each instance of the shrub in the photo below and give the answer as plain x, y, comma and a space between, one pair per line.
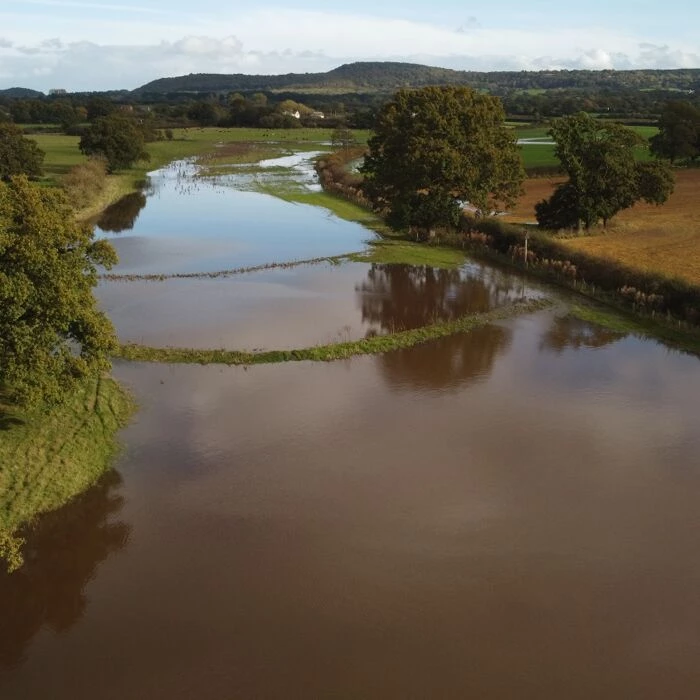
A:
84, 182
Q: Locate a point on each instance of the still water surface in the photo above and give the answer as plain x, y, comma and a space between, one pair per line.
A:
512, 513
302, 306
196, 224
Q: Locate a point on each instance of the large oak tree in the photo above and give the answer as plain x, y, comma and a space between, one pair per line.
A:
18, 154
437, 149
51, 331
117, 138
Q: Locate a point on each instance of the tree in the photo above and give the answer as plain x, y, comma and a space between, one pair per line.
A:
342, 137
18, 154
51, 331
604, 175
117, 139
679, 132
436, 148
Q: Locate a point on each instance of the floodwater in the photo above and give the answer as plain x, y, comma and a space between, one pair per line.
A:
510, 513
260, 310
193, 224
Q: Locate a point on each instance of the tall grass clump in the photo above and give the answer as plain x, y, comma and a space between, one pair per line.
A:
84, 182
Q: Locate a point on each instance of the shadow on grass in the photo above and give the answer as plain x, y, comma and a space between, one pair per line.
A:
7, 422
7, 418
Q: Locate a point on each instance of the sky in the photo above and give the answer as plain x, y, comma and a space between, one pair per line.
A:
122, 44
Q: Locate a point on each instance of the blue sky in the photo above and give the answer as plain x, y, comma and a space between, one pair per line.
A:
112, 44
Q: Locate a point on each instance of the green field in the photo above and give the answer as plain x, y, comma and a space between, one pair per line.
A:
537, 156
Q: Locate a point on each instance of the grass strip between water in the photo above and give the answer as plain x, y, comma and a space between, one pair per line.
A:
158, 277
384, 251
373, 345
49, 456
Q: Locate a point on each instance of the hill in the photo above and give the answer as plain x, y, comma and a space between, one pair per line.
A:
20, 93
368, 77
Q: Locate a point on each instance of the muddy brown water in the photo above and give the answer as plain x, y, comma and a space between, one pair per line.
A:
507, 514
302, 306
511, 513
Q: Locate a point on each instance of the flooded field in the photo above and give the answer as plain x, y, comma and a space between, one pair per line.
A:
507, 513
196, 224
303, 305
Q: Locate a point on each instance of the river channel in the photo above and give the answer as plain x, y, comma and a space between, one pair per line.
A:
508, 513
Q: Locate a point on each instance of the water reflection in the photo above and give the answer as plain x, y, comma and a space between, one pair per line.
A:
61, 556
397, 297
122, 215
446, 363
571, 332
194, 224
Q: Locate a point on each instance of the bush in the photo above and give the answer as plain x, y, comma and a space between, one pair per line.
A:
84, 182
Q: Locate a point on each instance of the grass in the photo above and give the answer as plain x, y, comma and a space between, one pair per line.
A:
663, 239
626, 322
536, 156
48, 457
335, 351
408, 253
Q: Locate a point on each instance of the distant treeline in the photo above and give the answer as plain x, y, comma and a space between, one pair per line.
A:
352, 93
388, 76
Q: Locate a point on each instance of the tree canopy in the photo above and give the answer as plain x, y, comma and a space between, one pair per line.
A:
18, 154
117, 138
604, 174
51, 331
342, 137
679, 132
436, 148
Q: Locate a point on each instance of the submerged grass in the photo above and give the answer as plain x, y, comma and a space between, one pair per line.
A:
384, 251
614, 320
372, 345
47, 457
333, 259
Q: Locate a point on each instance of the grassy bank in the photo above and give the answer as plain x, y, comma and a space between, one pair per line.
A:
335, 351
49, 457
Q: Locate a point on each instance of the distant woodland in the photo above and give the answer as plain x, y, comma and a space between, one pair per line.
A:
352, 93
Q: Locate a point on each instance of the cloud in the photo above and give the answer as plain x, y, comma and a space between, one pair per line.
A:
82, 66
283, 41
652, 56
77, 4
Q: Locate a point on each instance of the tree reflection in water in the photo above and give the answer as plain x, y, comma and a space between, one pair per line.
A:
61, 556
448, 362
397, 297
571, 332
122, 215
400, 297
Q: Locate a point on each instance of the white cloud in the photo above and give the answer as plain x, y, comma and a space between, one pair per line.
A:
126, 53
